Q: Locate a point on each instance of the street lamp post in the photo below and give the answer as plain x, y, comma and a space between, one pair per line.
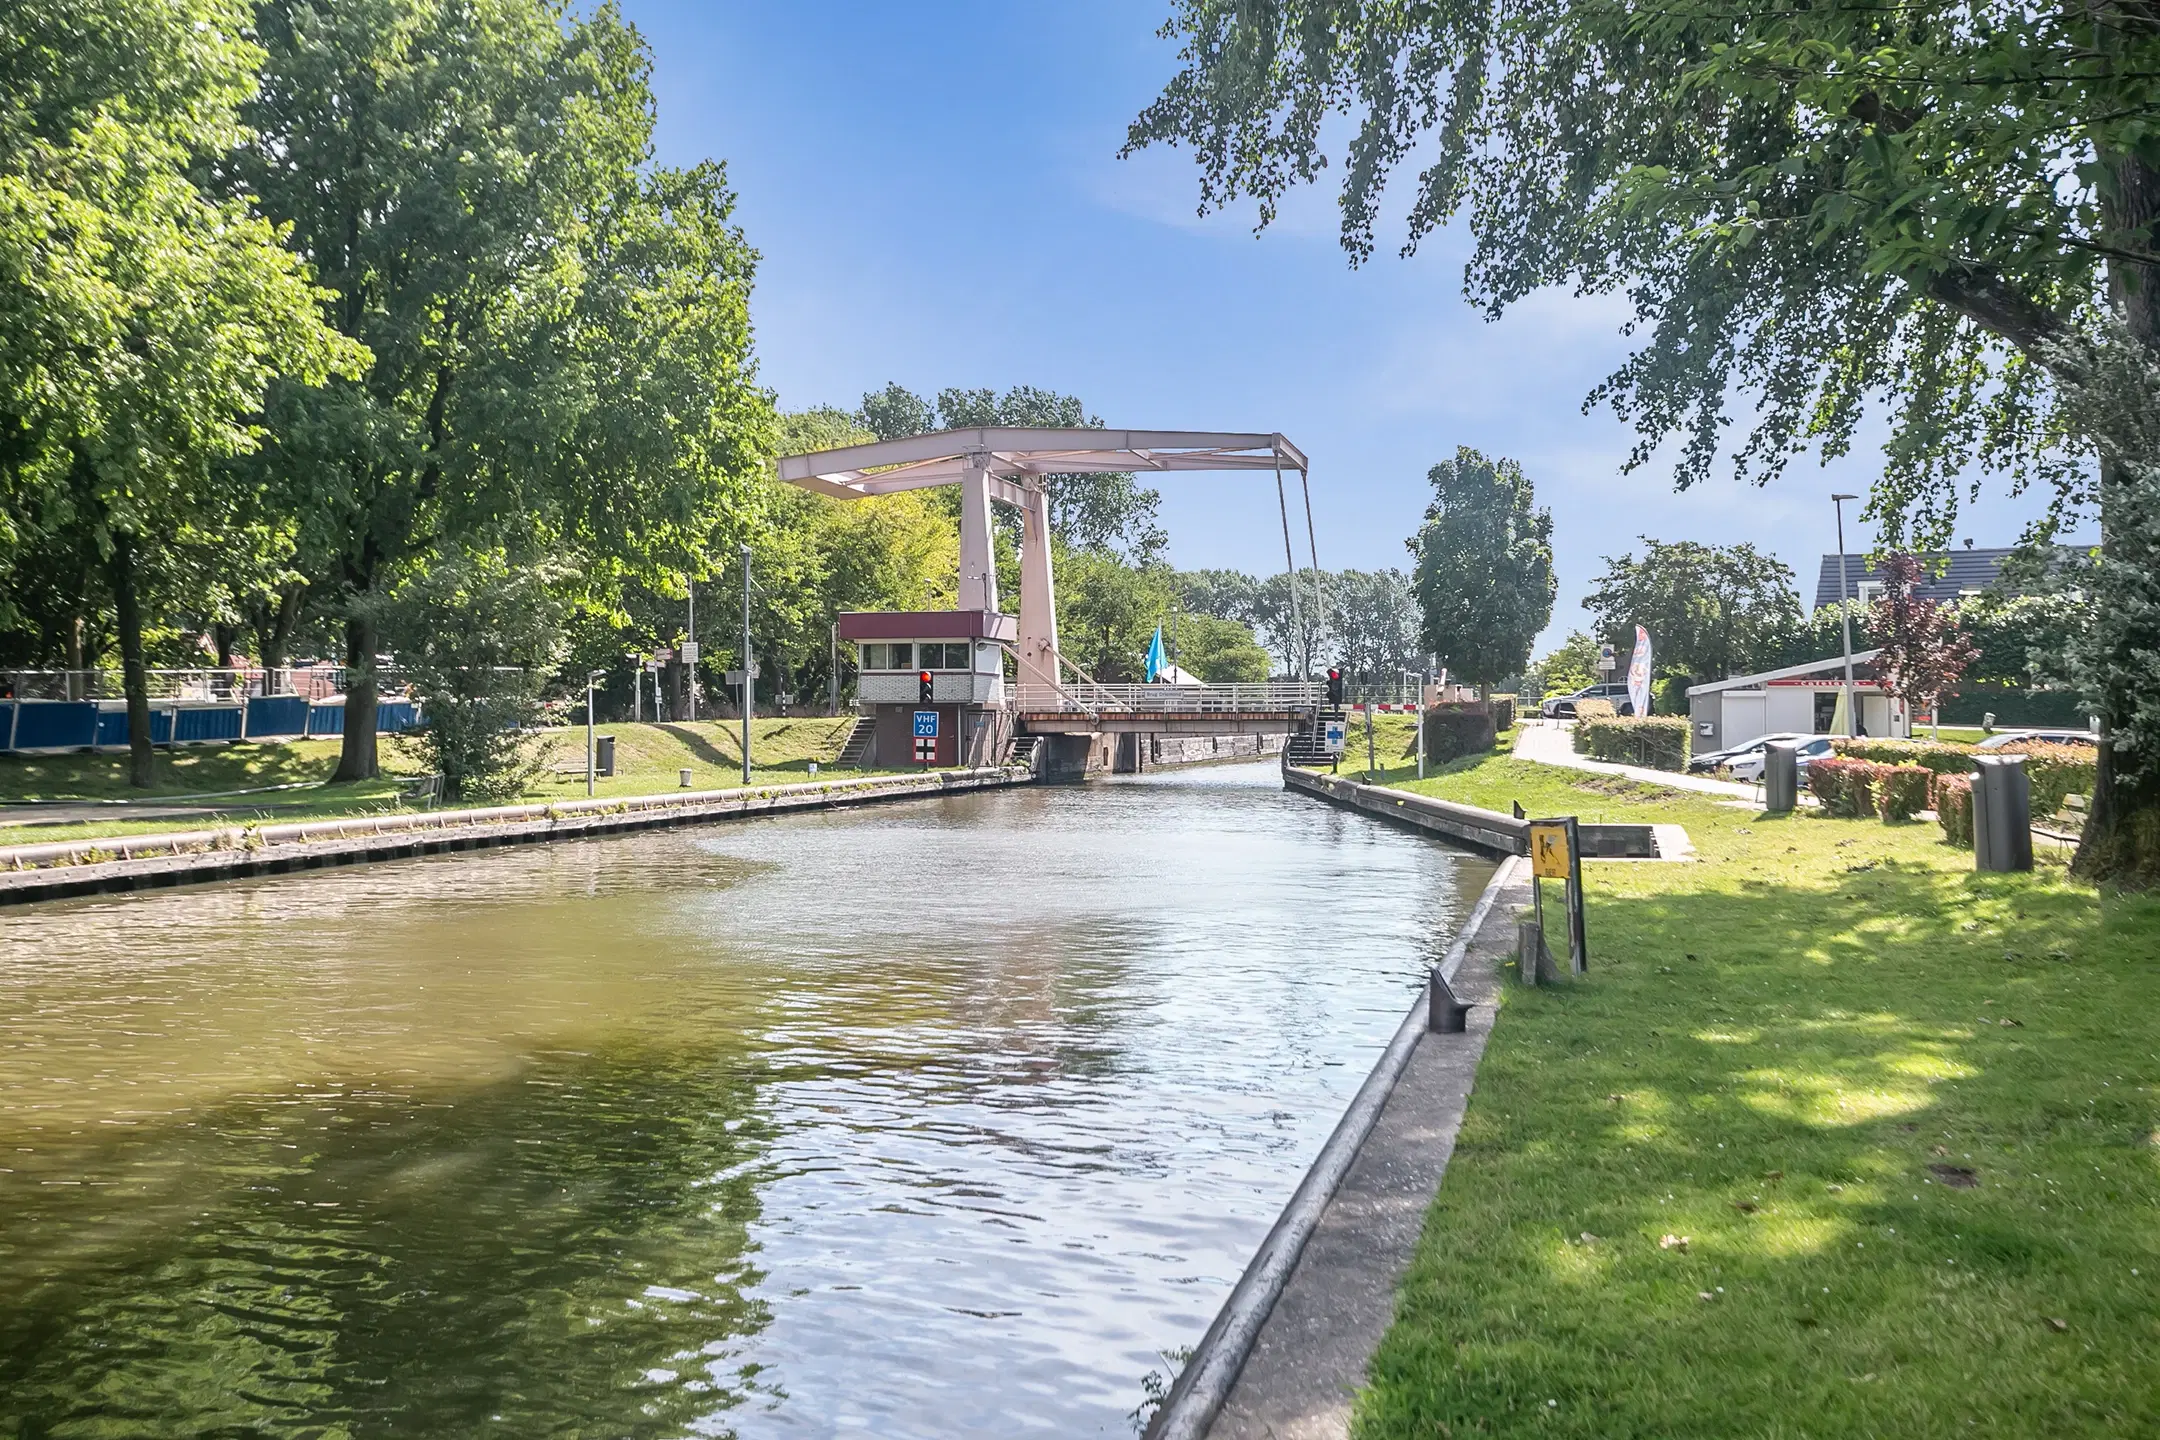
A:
590, 677
1852, 713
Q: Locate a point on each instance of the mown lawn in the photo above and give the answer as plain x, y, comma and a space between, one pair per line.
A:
648, 760
1837, 1138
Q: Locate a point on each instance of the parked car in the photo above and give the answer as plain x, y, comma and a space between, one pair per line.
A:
1745, 762
1562, 707
1717, 759
2039, 737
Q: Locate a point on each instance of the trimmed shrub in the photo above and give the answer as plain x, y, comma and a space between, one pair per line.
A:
1845, 787
1901, 791
1453, 731
1503, 711
1594, 709
1659, 741
1943, 757
1953, 809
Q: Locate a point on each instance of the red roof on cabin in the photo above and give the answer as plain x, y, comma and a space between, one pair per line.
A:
927, 625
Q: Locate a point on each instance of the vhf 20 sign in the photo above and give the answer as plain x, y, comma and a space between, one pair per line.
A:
926, 736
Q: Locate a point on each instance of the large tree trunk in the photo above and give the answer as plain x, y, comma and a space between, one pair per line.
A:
356, 759
135, 679
2121, 843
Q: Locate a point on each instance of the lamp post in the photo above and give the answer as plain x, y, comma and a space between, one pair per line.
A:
747, 669
591, 676
1852, 714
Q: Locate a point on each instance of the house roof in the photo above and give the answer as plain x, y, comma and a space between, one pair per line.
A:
1790, 672
1967, 571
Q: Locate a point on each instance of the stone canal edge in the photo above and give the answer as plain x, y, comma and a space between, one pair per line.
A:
1288, 1351
139, 862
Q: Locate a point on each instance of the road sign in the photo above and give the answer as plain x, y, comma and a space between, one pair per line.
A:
1549, 850
926, 724
689, 652
663, 656
926, 749
1335, 734
735, 677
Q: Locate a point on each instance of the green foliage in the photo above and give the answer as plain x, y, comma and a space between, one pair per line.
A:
1373, 620
2056, 772
560, 330
1595, 709
477, 639
1484, 581
1901, 791
1570, 667
1712, 610
1846, 788
1107, 613
1453, 731
1951, 795
1658, 741
1221, 652
2022, 638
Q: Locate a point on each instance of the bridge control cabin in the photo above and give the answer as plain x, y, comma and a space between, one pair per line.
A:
962, 652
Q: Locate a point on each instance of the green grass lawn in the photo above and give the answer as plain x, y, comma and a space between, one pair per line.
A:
1898, 1119
648, 760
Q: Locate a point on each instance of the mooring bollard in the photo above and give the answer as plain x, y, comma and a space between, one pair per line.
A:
1445, 1015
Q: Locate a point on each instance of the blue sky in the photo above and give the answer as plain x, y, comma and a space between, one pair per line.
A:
936, 194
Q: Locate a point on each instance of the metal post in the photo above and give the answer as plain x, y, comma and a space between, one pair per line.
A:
690, 667
1852, 711
588, 737
836, 667
746, 678
1419, 712
1297, 626
1372, 765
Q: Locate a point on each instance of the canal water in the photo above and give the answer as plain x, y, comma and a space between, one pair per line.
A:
941, 1118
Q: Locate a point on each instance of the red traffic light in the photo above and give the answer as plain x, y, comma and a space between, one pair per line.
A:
924, 677
1334, 674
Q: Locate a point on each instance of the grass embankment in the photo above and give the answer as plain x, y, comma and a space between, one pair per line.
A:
648, 759
1897, 1118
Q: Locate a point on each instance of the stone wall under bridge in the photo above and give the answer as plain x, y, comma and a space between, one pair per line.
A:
1138, 753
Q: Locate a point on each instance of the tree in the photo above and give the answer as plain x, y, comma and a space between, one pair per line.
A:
1484, 567
1711, 610
142, 317
1376, 626
478, 638
1225, 594
1219, 651
560, 330
1923, 651
1571, 666
1107, 613
1955, 209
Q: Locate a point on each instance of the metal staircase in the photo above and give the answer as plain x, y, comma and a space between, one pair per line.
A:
1023, 752
1307, 745
856, 748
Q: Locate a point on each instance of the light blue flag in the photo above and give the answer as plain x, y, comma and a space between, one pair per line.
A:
1156, 664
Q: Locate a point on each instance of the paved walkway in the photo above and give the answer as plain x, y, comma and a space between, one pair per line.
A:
1552, 742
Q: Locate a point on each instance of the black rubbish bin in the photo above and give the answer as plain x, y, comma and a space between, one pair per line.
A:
604, 755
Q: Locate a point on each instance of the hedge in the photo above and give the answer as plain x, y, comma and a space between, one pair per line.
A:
1453, 731
1594, 709
1943, 757
1659, 741
1901, 791
2056, 772
1845, 787
1953, 809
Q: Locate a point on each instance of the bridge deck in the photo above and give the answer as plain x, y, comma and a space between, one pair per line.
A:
1270, 708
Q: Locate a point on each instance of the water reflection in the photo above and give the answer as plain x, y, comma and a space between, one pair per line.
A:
935, 1119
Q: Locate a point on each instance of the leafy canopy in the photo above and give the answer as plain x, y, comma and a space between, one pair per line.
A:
1711, 610
1484, 578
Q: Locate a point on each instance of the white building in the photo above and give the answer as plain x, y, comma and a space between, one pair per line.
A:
1798, 698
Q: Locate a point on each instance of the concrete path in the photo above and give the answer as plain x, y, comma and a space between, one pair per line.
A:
1552, 742
1310, 1356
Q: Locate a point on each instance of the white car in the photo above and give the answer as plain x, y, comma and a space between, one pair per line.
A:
1747, 765
2010, 738
1718, 759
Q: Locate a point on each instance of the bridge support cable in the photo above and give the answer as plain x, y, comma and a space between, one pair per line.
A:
1303, 656
1313, 547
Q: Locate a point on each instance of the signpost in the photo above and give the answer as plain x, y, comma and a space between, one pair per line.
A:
926, 737
1555, 854
1336, 731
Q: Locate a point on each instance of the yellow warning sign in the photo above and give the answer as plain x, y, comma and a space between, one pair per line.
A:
1548, 851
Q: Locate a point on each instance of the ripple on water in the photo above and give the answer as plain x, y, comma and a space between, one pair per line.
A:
935, 1118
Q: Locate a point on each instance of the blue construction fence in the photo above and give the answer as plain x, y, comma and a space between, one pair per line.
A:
46, 725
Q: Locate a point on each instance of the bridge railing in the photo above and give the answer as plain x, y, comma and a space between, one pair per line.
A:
1090, 697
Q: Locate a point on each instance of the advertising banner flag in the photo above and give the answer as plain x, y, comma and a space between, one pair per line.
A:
1638, 673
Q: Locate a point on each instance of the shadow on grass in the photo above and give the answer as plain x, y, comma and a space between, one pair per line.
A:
1898, 1128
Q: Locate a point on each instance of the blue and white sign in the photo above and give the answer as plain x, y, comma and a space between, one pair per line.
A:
1335, 733
926, 724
